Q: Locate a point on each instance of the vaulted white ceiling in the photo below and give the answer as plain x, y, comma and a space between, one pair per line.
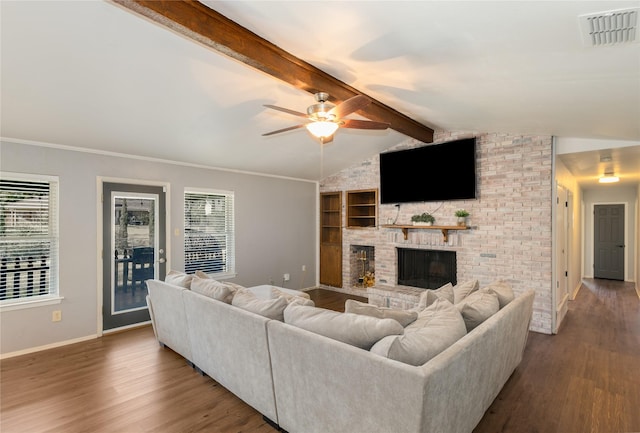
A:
92, 74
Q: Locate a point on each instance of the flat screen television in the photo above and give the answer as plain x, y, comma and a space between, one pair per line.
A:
437, 172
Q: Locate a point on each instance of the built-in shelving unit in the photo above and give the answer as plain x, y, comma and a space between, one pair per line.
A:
405, 229
331, 238
362, 208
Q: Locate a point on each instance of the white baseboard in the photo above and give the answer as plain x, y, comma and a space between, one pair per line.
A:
575, 291
47, 346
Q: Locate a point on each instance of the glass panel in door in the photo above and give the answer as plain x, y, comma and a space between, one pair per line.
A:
134, 251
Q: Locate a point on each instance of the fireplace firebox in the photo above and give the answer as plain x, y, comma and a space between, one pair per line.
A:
427, 269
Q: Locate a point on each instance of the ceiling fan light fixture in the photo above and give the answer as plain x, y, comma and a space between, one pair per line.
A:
322, 129
609, 177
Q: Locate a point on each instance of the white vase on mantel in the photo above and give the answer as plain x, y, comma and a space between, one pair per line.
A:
422, 223
462, 221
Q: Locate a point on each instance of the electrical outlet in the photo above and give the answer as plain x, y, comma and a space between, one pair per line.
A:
56, 316
286, 277
304, 268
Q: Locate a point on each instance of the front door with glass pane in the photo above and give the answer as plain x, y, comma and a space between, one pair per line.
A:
134, 250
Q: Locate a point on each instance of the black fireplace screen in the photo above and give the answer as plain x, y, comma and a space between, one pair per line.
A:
429, 269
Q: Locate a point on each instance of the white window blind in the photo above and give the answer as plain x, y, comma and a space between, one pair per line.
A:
209, 233
28, 238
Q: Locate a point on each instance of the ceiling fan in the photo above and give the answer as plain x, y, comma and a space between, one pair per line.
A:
323, 119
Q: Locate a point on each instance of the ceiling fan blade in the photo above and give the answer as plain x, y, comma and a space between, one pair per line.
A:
291, 128
286, 110
362, 124
355, 103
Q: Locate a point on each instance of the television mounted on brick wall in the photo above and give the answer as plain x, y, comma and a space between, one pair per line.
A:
437, 172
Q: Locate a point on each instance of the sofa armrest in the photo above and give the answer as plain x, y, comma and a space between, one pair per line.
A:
169, 319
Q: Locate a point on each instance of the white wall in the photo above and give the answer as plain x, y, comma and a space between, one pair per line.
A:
637, 249
275, 232
613, 195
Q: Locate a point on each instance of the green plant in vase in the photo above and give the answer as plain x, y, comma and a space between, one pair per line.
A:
425, 219
462, 215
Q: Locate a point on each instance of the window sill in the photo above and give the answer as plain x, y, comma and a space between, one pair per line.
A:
19, 304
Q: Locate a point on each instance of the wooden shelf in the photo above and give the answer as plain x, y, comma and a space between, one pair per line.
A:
331, 238
362, 208
444, 229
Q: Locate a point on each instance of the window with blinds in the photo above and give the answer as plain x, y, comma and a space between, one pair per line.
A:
28, 238
209, 243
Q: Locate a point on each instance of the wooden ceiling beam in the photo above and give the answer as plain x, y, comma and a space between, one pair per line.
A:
196, 21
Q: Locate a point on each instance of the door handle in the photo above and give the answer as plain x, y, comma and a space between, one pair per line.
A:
161, 260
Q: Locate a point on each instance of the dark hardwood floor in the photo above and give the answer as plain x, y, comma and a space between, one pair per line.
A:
585, 379
330, 299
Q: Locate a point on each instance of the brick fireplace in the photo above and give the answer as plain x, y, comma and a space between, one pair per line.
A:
510, 236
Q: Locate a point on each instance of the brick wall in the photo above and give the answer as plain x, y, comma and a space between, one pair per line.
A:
510, 237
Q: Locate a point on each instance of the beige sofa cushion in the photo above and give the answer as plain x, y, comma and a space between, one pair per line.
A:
404, 317
462, 290
429, 296
503, 290
437, 327
178, 278
302, 300
478, 307
213, 289
270, 308
355, 329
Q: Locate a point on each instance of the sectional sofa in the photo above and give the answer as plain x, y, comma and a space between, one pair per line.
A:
304, 378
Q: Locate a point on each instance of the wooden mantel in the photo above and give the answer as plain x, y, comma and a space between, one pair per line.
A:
444, 229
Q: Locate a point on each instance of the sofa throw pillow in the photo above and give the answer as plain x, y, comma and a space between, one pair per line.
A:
429, 296
201, 274
462, 290
178, 278
213, 289
270, 308
275, 293
437, 327
404, 317
354, 329
503, 290
478, 307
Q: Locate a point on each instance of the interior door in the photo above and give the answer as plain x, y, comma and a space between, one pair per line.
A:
134, 250
608, 241
562, 267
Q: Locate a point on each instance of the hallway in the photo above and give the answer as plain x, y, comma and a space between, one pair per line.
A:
584, 379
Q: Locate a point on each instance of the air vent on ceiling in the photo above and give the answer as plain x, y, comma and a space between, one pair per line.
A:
610, 28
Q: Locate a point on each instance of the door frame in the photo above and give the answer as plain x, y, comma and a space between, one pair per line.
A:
562, 232
100, 180
626, 235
